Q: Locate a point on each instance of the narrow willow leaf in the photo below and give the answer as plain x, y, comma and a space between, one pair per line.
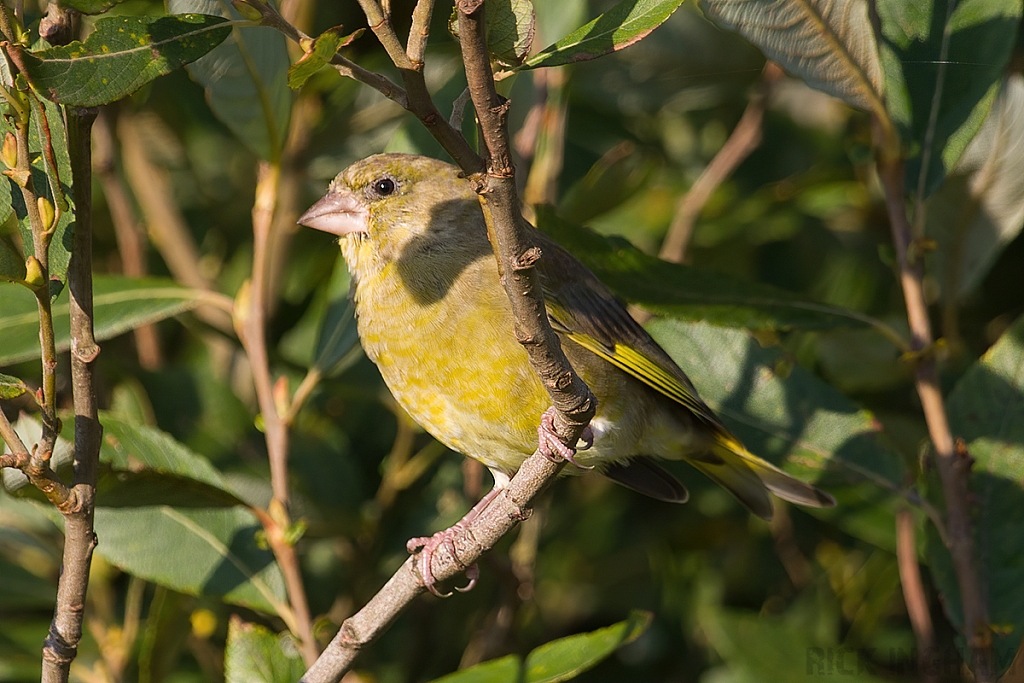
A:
786, 415
984, 410
559, 660
828, 44
618, 28
566, 658
320, 53
119, 57
120, 304
617, 176
688, 293
11, 387
6, 209
246, 80
337, 344
257, 655
979, 208
194, 550
942, 75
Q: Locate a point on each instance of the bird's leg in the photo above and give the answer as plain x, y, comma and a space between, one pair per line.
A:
551, 446
427, 546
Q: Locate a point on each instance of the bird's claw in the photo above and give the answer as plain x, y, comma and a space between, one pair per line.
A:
551, 446
427, 546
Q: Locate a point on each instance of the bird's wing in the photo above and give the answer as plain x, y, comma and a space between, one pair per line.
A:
582, 309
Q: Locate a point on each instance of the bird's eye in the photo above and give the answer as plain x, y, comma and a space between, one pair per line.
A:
383, 187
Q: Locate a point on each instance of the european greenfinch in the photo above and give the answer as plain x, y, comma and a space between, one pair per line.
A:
433, 316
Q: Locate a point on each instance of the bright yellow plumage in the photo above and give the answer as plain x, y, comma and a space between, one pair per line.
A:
433, 316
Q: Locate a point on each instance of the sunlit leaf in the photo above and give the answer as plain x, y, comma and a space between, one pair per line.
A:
89, 6
11, 387
984, 410
256, 655
979, 209
830, 45
120, 304
618, 28
688, 293
784, 414
960, 58
559, 660
246, 80
320, 53
120, 56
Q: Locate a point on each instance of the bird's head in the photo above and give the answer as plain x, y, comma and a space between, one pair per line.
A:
392, 207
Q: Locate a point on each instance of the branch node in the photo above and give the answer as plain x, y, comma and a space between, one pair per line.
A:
86, 353
527, 259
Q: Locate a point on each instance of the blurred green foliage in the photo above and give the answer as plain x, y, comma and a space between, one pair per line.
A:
733, 599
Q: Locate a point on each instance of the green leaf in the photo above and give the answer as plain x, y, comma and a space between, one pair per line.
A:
24, 590
6, 209
688, 293
256, 655
616, 177
120, 304
961, 57
979, 208
120, 56
210, 552
784, 414
618, 28
337, 344
984, 410
830, 45
12, 265
559, 660
46, 177
145, 466
511, 26
11, 387
89, 6
566, 658
246, 80
320, 53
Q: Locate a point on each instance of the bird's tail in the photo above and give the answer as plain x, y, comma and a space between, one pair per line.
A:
749, 478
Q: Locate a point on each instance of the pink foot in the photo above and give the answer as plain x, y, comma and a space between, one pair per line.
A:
551, 446
427, 546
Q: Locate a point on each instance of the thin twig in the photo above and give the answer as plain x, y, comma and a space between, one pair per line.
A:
416, 45
61, 643
252, 326
913, 594
381, 26
745, 138
18, 456
953, 464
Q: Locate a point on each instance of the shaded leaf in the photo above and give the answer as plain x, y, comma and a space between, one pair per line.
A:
256, 655
979, 209
89, 6
616, 177
11, 387
6, 209
980, 35
196, 551
120, 56
559, 660
120, 304
337, 344
511, 26
830, 45
688, 293
984, 410
320, 53
246, 80
145, 466
784, 414
12, 265
618, 28
24, 590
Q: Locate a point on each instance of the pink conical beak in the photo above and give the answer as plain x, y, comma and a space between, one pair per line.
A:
340, 212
